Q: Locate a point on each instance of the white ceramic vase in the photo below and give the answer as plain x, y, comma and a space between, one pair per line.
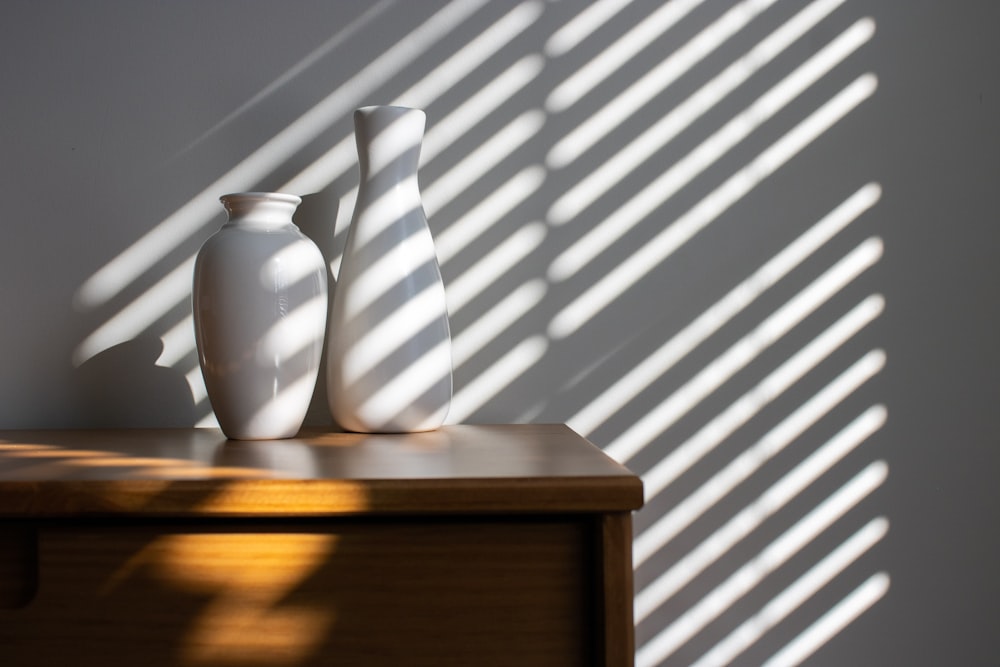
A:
260, 307
389, 346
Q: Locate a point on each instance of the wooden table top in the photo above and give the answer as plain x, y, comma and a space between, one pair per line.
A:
199, 473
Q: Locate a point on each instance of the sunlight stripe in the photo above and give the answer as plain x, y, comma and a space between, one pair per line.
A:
776, 554
462, 61
620, 52
446, 131
683, 514
790, 599
766, 505
627, 160
642, 92
770, 388
621, 392
745, 350
582, 26
493, 265
343, 156
476, 336
178, 227
707, 153
478, 219
480, 161
606, 290
170, 291
832, 622
496, 378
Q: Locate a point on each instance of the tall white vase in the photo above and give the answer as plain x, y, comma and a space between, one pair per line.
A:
389, 346
260, 306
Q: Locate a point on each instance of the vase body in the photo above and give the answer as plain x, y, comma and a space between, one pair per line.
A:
389, 346
260, 306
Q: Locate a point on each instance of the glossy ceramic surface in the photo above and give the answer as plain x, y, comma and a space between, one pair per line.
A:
389, 349
260, 305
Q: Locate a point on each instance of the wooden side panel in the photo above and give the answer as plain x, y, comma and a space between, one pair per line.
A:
616, 594
357, 593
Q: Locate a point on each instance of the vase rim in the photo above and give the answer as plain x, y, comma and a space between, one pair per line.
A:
262, 196
387, 107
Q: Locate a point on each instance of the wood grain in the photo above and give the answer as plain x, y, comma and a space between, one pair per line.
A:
197, 472
470, 545
354, 593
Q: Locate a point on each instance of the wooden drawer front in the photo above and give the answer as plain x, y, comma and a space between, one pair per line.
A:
18, 562
347, 593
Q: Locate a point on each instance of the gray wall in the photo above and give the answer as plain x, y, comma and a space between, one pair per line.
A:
122, 122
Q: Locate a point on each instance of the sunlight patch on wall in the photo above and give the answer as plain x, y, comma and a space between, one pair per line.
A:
176, 343
476, 336
581, 26
795, 595
832, 622
478, 163
774, 499
494, 265
776, 554
467, 115
770, 388
640, 93
465, 60
686, 512
628, 387
748, 348
488, 212
165, 237
496, 378
570, 91
140, 314
342, 157
685, 170
628, 273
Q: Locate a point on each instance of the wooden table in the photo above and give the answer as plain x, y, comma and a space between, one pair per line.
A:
471, 545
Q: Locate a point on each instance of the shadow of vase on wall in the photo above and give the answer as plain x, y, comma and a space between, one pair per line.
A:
389, 366
123, 387
260, 307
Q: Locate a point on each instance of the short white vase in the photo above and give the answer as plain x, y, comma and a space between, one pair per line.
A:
389, 346
260, 307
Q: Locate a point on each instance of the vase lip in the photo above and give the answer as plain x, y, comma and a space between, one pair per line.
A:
281, 197
388, 108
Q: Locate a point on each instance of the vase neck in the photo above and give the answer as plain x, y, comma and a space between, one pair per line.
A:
260, 209
388, 141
